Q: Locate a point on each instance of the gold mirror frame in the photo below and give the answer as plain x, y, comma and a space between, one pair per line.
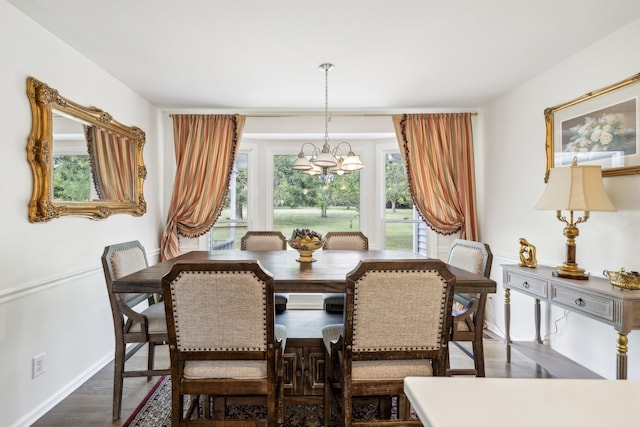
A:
42, 207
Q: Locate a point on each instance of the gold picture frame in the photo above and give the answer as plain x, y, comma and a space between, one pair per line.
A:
598, 128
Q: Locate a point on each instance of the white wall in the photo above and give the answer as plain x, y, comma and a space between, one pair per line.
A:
52, 292
513, 167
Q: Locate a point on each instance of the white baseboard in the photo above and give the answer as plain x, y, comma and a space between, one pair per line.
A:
44, 407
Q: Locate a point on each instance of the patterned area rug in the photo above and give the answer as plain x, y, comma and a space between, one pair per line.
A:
155, 411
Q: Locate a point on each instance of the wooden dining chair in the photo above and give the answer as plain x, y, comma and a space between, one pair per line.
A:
267, 241
477, 258
397, 323
223, 340
342, 240
138, 318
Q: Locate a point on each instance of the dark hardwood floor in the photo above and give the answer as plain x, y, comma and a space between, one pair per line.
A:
90, 404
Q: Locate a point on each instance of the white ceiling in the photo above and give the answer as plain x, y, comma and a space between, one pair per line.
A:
389, 56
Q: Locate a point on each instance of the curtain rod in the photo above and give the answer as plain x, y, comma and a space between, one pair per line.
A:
321, 114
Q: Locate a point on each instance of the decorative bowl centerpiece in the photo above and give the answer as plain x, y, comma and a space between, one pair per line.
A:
623, 279
305, 241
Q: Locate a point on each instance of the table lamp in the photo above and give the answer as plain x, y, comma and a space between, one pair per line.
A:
574, 188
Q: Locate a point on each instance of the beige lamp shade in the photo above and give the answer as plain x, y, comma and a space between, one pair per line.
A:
575, 188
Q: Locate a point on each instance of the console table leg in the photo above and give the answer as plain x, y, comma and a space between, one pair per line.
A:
537, 318
507, 321
621, 362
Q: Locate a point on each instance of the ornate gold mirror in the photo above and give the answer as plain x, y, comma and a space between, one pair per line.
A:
83, 161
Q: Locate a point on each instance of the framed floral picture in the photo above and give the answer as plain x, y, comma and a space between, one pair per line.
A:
599, 128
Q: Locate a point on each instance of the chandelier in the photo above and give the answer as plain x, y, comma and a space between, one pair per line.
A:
327, 160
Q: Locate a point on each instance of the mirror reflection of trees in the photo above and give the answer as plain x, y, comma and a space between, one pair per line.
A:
71, 178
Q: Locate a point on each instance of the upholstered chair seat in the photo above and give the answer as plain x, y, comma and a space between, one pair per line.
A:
377, 369
156, 320
236, 369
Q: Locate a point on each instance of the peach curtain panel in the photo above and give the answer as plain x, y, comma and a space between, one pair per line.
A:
112, 157
206, 147
438, 154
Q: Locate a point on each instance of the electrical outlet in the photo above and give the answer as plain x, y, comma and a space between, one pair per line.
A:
37, 365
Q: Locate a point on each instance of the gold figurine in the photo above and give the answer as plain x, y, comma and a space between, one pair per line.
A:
527, 254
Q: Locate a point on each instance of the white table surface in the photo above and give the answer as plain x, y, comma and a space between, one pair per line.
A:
523, 402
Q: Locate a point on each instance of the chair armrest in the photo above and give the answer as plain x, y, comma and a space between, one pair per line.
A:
134, 317
467, 314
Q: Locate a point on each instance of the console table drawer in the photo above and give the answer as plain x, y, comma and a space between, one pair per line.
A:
530, 285
589, 304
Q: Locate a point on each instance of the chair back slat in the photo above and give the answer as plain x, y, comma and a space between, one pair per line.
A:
472, 256
398, 306
346, 240
263, 241
124, 261
120, 260
219, 306
212, 298
399, 310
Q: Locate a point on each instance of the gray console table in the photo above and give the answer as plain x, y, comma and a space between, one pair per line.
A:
594, 298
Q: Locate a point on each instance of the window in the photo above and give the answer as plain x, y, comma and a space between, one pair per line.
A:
320, 203
269, 195
401, 218
232, 223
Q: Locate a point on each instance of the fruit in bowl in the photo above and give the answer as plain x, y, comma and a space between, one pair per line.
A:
306, 241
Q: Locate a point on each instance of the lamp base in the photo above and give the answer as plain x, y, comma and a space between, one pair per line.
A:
576, 274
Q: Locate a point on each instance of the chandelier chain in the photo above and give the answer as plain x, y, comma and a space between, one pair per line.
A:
327, 67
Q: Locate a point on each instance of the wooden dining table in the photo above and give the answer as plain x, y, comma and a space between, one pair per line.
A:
304, 353
326, 275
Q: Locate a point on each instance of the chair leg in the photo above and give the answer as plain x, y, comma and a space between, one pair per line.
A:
150, 359
347, 408
478, 357
404, 407
219, 407
327, 388
177, 405
118, 379
280, 396
271, 407
385, 404
448, 362
206, 406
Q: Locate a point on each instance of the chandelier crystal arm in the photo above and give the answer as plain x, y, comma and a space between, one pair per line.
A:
336, 150
302, 163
